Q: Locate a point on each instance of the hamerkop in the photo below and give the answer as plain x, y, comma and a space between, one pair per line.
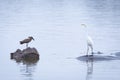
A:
27, 40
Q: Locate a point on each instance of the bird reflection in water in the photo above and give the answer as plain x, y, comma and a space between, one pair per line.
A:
89, 63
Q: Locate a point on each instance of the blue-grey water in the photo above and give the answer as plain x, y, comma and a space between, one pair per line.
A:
60, 38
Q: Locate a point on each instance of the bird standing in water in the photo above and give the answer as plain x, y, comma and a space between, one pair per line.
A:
27, 40
89, 43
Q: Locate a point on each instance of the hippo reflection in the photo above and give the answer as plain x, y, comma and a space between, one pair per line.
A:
99, 56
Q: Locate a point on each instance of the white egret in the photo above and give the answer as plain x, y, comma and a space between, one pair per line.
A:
89, 42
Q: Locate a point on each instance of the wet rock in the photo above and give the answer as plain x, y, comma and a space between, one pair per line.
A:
26, 55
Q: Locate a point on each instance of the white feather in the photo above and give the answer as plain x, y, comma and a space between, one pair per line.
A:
89, 41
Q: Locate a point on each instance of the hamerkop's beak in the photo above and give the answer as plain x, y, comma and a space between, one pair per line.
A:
33, 39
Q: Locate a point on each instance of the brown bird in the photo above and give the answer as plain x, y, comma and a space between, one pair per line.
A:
27, 40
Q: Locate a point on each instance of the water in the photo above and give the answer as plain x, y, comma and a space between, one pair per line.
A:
59, 38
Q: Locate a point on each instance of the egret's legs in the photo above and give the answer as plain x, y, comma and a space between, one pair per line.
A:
91, 50
87, 50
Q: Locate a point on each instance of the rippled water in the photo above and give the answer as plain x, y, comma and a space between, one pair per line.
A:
59, 38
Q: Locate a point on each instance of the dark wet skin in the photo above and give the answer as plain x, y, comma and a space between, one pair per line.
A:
98, 57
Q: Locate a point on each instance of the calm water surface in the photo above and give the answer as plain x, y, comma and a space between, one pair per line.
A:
59, 38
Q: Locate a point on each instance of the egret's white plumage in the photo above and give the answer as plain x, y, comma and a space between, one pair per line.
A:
89, 42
